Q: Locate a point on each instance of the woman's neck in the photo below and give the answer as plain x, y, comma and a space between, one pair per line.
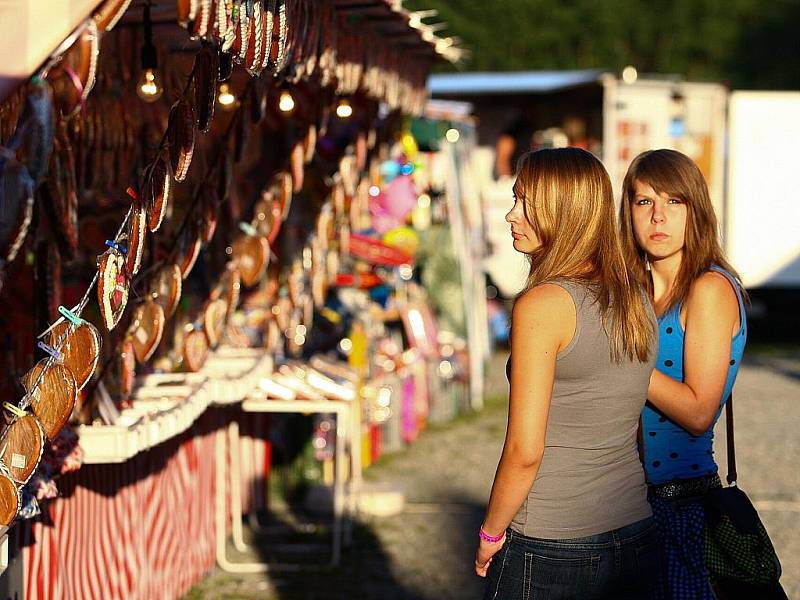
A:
664, 273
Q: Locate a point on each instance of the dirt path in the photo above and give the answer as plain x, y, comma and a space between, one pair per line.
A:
427, 551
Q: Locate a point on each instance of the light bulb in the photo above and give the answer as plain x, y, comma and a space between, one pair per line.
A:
286, 103
630, 74
149, 86
344, 110
226, 98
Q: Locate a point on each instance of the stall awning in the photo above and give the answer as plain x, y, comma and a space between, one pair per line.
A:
32, 29
521, 82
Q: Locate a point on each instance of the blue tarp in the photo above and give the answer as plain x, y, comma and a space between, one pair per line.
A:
519, 82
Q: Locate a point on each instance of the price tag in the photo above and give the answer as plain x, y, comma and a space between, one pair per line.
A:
18, 461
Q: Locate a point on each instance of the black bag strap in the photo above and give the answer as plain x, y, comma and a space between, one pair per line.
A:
731, 446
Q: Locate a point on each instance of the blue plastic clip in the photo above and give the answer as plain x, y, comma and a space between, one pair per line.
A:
51, 351
118, 247
70, 316
247, 228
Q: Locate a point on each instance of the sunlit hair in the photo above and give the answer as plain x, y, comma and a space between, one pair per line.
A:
568, 201
675, 174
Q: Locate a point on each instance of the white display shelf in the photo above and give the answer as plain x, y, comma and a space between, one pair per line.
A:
167, 404
233, 373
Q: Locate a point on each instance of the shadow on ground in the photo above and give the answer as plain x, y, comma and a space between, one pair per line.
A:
425, 553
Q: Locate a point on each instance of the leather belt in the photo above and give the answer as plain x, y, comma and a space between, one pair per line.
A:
680, 489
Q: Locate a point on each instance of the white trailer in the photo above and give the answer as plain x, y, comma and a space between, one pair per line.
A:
745, 143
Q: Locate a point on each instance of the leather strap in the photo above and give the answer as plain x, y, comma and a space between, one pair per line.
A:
731, 448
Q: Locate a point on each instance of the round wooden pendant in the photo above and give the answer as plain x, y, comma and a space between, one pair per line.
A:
282, 311
202, 19
241, 42
166, 288
157, 193
109, 13
255, 46
195, 350
146, 329
21, 446
229, 289
310, 143
137, 233
189, 249
54, 398
284, 193
263, 215
81, 349
251, 253
361, 151
214, 321
325, 226
297, 161
349, 174
182, 11
180, 137
10, 500
127, 369
295, 283
112, 287
210, 216
332, 266
206, 72
269, 20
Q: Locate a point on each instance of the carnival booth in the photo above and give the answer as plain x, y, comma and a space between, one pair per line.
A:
206, 228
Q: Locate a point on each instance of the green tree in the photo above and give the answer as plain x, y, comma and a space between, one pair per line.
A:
744, 42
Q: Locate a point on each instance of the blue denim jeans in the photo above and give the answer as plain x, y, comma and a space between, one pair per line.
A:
617, 564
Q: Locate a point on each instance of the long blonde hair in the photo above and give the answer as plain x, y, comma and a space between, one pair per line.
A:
675, 174
569, 202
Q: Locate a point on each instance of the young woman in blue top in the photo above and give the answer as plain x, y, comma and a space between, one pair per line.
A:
669, 232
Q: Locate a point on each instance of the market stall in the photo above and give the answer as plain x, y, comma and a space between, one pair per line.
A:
202, 232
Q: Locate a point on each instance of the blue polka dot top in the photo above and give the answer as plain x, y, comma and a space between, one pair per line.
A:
670, 451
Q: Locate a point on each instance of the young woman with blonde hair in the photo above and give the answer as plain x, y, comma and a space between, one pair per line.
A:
671, 243
568, 515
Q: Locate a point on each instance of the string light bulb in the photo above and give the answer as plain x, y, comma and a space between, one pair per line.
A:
286, 102
344, 110
226, 98
148, 86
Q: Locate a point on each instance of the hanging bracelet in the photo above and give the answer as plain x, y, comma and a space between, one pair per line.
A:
492, 539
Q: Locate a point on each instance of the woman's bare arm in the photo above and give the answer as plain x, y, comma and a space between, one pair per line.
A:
543, 323
712, 317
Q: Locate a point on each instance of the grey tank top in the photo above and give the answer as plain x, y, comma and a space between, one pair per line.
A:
590, 479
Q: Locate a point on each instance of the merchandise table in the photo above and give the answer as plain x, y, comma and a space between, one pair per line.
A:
347, 445
120, 526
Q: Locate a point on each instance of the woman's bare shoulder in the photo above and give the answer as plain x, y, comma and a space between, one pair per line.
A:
712, 295
712, 287
546, 310
545, 296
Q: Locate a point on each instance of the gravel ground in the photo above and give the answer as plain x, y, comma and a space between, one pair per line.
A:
427, 551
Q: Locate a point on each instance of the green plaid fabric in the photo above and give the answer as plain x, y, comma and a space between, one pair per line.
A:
733, 554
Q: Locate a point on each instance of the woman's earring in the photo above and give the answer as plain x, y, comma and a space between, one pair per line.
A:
646, 263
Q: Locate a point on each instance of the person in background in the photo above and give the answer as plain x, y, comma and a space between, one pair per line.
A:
568, 515
669, 235
511, 144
